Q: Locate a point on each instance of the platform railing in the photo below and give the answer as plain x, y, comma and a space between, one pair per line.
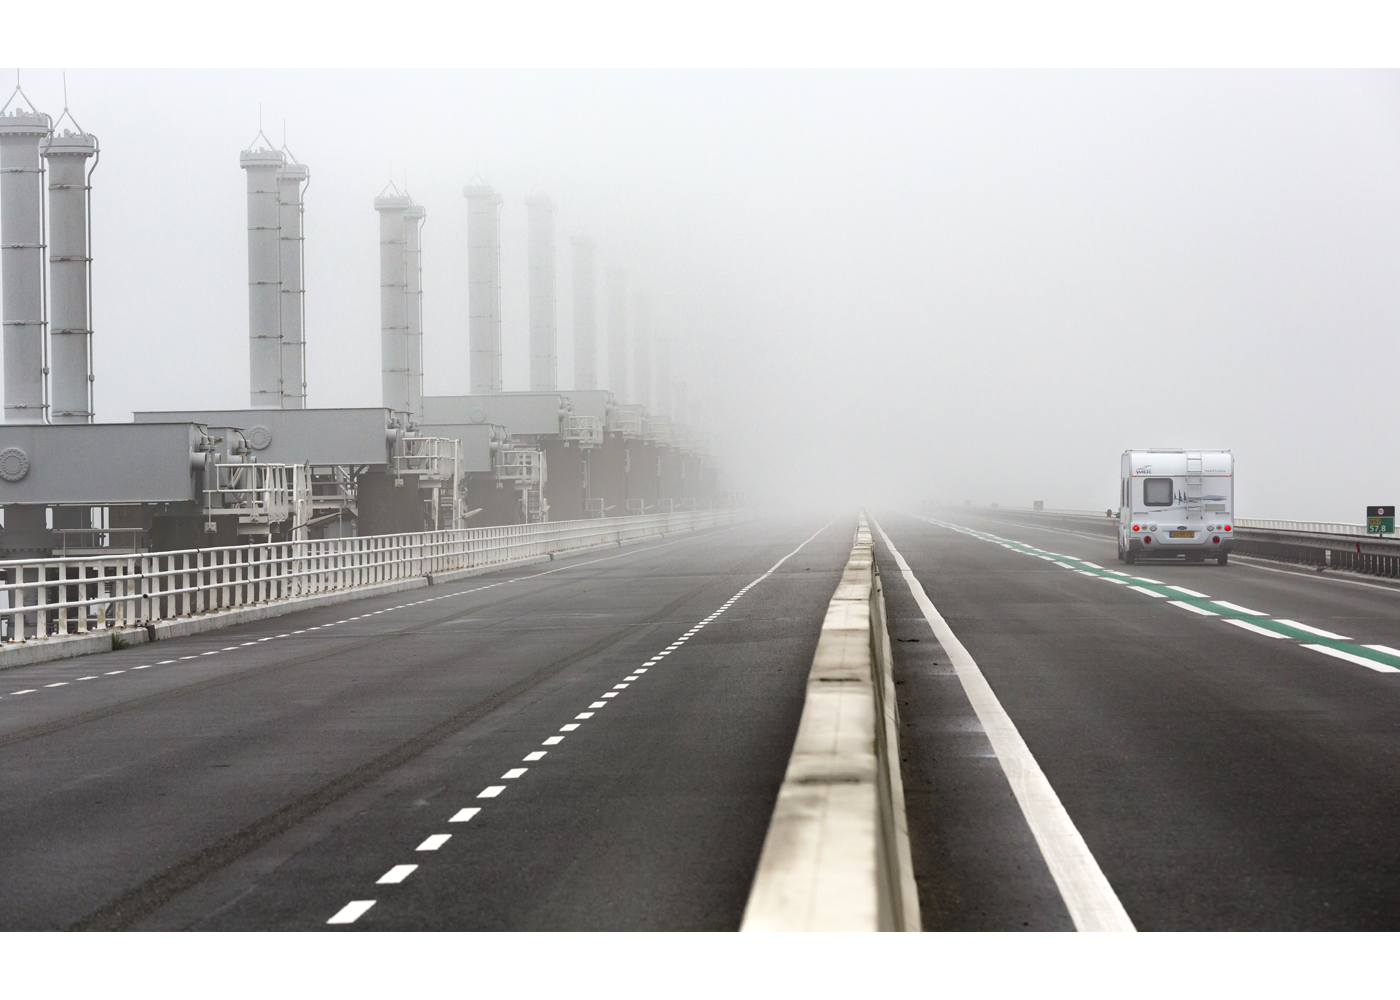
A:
40, 598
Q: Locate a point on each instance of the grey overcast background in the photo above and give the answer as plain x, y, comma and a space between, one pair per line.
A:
882, 286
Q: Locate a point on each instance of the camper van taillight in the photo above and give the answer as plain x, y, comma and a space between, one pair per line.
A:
1147, 540
1227, 527
1135, 527
1216, 539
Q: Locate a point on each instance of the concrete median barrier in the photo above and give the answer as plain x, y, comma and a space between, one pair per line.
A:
836, 857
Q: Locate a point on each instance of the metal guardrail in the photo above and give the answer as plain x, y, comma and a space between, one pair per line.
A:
80, 594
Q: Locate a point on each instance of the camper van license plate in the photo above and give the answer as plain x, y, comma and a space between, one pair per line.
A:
1183, 534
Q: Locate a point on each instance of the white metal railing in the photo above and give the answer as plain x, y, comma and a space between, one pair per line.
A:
428, 457
80, 594
259, 493
586, 430
627, 422
525, 465
658, 429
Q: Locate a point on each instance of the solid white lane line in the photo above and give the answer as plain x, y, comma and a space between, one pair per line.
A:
1241, 610
553, 741
535, 755
1342, 654
1090, 899
1240, 622
463, 815
490, 791
1192, 607
1315, 631
514, 773
434, 842
1144, 590
396, 874
351, 912
1189, 593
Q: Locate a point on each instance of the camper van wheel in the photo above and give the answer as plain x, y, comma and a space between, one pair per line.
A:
1224, 558
1120, 551
1130, 557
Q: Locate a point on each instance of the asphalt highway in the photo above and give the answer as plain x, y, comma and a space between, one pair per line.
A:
593, 743
1225, 739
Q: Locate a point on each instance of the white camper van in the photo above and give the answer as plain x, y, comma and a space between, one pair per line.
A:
1176, 503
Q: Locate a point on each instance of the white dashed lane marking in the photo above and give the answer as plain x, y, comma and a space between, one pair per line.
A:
397, 874
352, 911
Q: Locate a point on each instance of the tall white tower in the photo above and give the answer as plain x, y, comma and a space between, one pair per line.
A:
544, 314
585, 314
414, 219
393, 299
617, 334
70, 264
663, 376
291, 182
262, 163
641, 343
22, 260
484, 285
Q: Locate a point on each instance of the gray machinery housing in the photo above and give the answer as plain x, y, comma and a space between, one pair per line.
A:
348, 436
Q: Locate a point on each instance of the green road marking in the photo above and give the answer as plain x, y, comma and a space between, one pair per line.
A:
1163, 590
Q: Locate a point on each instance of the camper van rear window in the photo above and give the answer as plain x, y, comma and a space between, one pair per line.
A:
1157, 492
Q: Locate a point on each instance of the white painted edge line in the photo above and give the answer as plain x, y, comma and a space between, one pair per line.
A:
1192, 607
351, 911
1260, 630
1090, 899
1242, 610
1315, 631
1382, 649
1342, 654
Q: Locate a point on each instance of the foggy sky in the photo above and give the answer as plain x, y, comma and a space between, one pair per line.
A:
883, 287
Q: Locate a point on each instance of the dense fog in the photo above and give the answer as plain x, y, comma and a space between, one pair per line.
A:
881, 287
